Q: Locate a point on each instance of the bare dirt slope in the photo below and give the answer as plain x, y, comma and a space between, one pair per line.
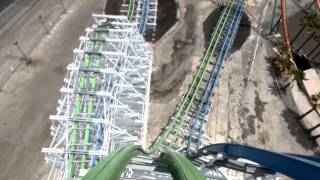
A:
253, 108
245, 110
176, 55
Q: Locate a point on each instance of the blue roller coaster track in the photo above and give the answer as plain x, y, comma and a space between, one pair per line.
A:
144, 16
204, 106
298, 167
291, 165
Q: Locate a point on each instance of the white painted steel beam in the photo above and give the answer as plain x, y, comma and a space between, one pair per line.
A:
104, 99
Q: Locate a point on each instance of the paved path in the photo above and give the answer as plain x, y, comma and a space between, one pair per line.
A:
31, 94
19, 22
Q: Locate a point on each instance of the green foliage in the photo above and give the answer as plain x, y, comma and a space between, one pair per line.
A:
298, 74
284, 64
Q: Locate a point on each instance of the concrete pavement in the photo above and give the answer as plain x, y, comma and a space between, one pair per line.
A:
31, 94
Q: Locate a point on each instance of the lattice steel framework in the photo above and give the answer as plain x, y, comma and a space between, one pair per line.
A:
143, 12
104, 99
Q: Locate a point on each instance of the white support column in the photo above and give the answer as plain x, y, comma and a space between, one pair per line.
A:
151, 14
104, 100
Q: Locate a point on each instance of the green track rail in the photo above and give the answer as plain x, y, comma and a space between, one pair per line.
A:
116, 162
181, 114
84, 79
185, 105
131, 10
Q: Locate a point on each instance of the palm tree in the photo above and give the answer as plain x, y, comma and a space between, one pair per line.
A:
315, 101
298, 75
285, 28
287, 68
295, 75
283, 64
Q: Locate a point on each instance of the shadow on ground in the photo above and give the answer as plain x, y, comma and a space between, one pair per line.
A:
242, 34
296, 130
166, 18
166, 81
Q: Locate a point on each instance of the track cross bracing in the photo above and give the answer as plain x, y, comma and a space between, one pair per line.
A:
143, 12
104, 100
188, 106
175, 134
195, 135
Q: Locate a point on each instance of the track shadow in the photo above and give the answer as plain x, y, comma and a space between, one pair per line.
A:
296, 130
273, 88
166, 18
242, 34
166, 82
113, 7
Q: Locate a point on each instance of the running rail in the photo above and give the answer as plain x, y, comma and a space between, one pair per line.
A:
114, 165
144, 16
145, 12
186, 103
209, 90
104, 98
298, 167
295, 166
180, 116
131, 9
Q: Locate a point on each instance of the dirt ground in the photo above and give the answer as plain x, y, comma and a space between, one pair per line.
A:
247, 107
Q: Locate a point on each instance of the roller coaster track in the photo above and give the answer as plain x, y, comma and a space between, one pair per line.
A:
144, 16
95, 116
132, 4
221, 38
265, 162
183, 112
146, 13
103, 100
86, 141
204, 106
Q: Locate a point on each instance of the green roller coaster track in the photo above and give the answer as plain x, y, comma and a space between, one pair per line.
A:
179, 166
131, 9
187, 102
88, 110
115, 163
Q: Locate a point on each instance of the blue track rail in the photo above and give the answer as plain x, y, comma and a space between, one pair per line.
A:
144, 16
295, 166
209, 90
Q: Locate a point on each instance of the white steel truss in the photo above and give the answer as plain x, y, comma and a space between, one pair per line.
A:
149, 11
104, 99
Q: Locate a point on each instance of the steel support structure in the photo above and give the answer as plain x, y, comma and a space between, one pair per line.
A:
175, 136
143, 12
104, 99
260, 161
